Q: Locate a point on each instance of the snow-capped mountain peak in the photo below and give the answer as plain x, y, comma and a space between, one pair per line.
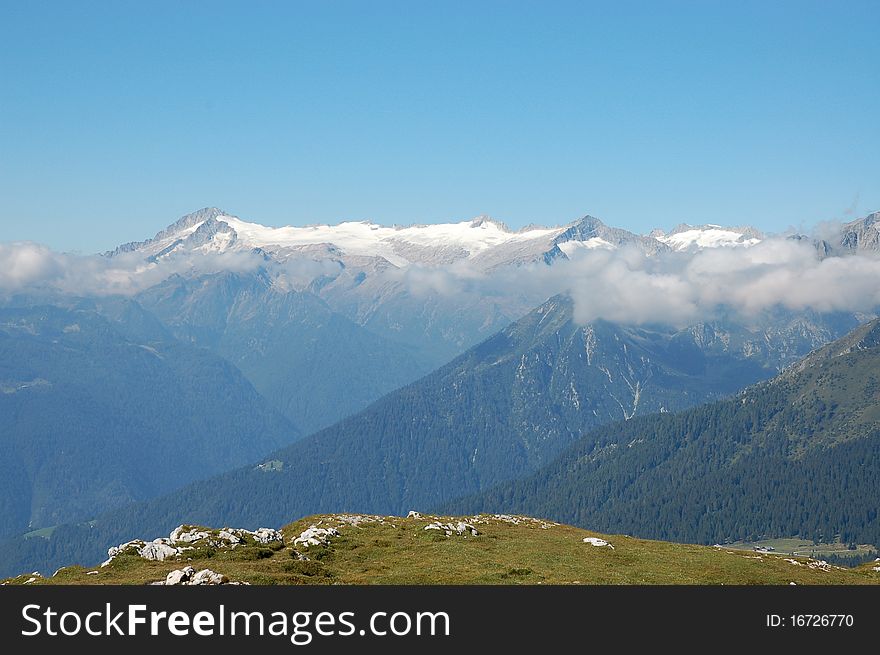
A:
486, 242
709, 235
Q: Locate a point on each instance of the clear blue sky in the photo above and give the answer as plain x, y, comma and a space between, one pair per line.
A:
118, 117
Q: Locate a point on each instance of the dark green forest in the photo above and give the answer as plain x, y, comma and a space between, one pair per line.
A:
799, 455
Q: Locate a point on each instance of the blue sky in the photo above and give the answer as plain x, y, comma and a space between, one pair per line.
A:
118, 117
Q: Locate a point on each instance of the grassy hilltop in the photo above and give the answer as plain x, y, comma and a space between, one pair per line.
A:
505, 550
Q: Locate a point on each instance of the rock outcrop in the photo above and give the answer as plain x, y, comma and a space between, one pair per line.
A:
190, 577
184, 538
315, 536
459, 528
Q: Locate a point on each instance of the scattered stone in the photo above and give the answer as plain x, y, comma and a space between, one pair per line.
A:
819, 565
876, 568
413, 515
208, 577
448, 528
162, 549
92, 573
793, 561
513, 520
357, 519
237, 536
189, 576
595, 541
30, 580
267, 536
315, 536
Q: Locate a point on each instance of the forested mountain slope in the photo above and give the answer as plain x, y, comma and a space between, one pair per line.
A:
797, 455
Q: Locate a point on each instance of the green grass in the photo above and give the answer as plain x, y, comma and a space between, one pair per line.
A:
805, 547
394, 550
45, 533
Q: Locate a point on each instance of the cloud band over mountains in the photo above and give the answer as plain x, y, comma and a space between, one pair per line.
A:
622, 285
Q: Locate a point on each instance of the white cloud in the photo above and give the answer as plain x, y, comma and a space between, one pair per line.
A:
627, 286
622, 286
26, 266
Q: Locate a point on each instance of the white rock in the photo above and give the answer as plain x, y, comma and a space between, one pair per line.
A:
819, 565
157, 551
448, 528
315, 536
189, 576
30, 580
187, 536
135, 544
357, 519
229, 535
180, 576
413, 515
595, 541
92, 573
463, 527
267, 536
208, 577
129, 546
513, 520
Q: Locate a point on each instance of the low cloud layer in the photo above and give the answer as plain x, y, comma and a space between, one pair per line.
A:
621, 285
681, 289
678, 289
28, 267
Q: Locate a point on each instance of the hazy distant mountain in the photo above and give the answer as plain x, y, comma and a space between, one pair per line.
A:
96, 412
311, 363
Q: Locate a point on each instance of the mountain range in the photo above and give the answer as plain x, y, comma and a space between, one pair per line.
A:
406, 394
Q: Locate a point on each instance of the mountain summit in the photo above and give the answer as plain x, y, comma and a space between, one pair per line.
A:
483, 240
